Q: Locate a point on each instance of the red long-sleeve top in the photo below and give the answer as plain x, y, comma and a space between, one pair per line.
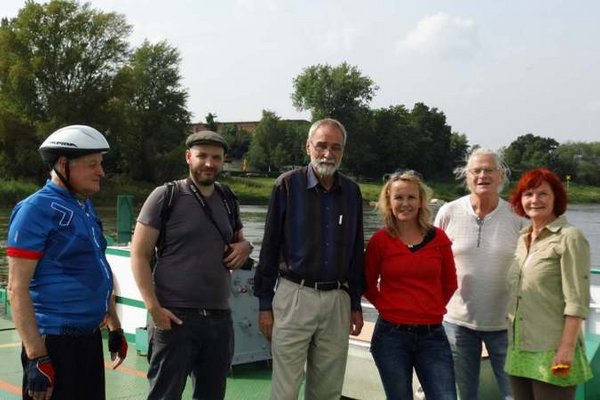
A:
410, 287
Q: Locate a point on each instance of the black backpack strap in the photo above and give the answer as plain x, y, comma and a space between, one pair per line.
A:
170, 192
232, 204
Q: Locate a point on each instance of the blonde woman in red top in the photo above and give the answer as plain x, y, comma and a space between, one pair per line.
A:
410, 277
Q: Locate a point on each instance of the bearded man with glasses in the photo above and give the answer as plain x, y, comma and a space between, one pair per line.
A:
310, 276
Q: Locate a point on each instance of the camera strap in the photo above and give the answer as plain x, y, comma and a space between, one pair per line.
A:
202, 201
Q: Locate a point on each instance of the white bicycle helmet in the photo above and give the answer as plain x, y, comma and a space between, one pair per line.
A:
72, 142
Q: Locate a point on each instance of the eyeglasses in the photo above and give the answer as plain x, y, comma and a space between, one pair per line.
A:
486, 171
322, 147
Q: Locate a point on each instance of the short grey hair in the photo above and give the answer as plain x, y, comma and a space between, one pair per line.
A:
327, 121
56, 165
461, 172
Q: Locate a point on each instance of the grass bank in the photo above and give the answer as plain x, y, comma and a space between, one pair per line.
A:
13, 191
257, 190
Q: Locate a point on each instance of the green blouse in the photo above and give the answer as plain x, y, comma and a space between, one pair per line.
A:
547, 281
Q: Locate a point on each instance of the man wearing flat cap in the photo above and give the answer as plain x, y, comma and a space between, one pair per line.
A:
187, 239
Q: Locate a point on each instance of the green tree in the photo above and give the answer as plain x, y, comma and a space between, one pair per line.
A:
211, 122
58, 61
334, 92
156, 120
57, 64
238, 139
531, 151
581, 161
295, 142
18, 158
433, 137
276, 143
459, 148
264, 140
392, 138
62, 63
379, 141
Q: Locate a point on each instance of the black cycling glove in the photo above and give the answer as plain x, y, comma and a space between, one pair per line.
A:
117, 344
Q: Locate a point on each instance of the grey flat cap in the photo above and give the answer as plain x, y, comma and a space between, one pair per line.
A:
207, 137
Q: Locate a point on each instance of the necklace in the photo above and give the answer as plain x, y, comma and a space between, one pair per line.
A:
413, 244
411, 237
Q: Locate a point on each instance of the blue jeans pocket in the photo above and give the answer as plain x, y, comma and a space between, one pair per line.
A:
397, 350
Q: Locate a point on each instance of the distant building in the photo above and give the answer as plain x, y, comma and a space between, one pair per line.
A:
248, 126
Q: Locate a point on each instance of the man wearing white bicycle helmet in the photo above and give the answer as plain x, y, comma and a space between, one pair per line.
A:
60, 283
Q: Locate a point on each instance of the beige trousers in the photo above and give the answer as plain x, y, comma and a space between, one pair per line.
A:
311, 328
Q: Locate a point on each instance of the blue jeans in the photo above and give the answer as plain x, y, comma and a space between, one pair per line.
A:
201, 347
466, 351
397, 350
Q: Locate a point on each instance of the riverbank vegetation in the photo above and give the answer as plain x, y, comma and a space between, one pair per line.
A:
257, 191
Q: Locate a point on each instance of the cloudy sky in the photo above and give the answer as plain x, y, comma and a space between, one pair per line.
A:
497, 69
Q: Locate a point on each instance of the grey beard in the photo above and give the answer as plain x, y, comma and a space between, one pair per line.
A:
324, 170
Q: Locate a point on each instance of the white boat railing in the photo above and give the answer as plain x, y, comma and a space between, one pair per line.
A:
592, 324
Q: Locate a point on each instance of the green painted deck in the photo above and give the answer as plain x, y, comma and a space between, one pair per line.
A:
249, 381
246, 382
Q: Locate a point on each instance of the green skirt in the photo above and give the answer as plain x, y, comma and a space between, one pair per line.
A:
536, 365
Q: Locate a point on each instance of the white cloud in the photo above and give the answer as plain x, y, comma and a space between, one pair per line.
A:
441, 35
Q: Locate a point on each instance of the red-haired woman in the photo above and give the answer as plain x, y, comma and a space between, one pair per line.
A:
549, 294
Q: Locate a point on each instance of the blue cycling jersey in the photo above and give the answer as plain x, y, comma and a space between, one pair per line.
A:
72, 283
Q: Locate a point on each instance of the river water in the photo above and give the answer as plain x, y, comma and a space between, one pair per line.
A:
585, 217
